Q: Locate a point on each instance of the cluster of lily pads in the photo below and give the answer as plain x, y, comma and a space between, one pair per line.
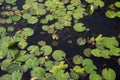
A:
41, 60
113, 10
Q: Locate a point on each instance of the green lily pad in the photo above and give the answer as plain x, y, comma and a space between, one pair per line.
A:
32, 20
22, 44
90, 1
99, 3
108, 74
95, 77
16, 75
38, 72
87, 52
10, 1
5, 64
81, 41
110, 14
6, 77
32, 62
79, 27
117, 4
49, 17
46, 49
58, 55
77, 59
45, 27
118, 14
15, 17
26, 16
13, 67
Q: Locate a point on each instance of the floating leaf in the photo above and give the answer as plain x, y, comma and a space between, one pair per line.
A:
78, 13
10, 28
13, 67
32, 20
45, 27
117, 4
23, 58
43, 21
48, 64
9, 20
2, 31
96, 52
81, 41
79, 27
58, 55
110, 42
38, 72
118, 14
110, 14
77, 59
78, 69
33, 49
26, 6
15, 17
90, 1
70, 7
89, 66
22, 44
61, 75
95, 77
42, 60
6, 77
87, 52
10, 1
26, 16
46, 49
74, 75
32, 63
27, 31
41, 43
5, 64
99, 3
105, 53
16, 75
49, 17
108, 74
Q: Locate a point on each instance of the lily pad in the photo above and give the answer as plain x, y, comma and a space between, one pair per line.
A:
46, 49
118, 14
26, 16
58, 55
32, 20
81, 41
79, 27
108, 74
110, 14
95, 77
10, 1
117, 4
77, 59
38, 72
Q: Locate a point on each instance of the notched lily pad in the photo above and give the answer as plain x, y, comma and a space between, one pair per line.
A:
58, 55
79, 27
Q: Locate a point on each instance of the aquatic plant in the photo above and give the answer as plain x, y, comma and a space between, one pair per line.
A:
42, 61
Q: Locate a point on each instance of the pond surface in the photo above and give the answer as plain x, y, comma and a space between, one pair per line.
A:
98, 23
